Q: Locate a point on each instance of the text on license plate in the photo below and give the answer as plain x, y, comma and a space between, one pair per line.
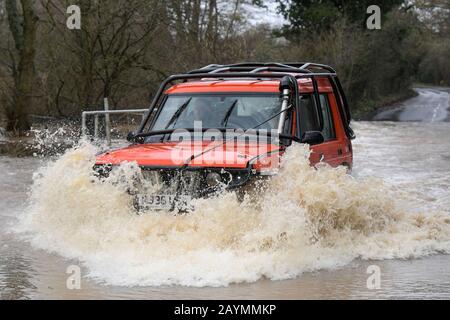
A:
162, 201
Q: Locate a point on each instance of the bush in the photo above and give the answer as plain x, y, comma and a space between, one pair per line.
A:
435, 66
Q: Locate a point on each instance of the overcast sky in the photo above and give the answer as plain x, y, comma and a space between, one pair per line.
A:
268, 15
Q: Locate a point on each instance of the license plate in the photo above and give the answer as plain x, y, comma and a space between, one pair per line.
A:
160, 201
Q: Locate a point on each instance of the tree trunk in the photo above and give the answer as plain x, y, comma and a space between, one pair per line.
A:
86, 55
211, 29
24, 34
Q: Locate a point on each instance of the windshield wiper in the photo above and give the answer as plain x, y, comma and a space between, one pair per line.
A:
257, 132
229, 112
177, 113
170, 131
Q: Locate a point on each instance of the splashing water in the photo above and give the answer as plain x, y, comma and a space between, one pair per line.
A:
307, 219
53, 141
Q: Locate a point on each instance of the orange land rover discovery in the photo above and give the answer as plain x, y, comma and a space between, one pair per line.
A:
224, 126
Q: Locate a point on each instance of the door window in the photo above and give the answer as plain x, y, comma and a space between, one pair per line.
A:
328, 127
308, 113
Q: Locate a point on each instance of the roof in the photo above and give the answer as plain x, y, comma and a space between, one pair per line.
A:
245, 85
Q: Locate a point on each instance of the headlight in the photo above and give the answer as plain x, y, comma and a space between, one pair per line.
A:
213, 179
266, 164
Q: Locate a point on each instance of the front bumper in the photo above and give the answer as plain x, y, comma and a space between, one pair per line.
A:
190, 181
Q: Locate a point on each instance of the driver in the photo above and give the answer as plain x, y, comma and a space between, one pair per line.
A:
202, 111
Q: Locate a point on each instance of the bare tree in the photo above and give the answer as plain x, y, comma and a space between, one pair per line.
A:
23, 28
114, 39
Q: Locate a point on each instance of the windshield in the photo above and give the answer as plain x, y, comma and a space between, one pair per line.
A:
238, 111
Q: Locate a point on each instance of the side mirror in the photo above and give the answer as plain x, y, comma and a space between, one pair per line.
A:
130, 136
312, 137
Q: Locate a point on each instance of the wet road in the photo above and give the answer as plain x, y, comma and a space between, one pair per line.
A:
431, 105
414, 157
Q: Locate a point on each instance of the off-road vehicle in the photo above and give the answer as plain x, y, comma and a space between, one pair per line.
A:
226, 126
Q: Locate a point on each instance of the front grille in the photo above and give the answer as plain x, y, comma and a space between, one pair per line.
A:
192, 181
171, 181
189, 181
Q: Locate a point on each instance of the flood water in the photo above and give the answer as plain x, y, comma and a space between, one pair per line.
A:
411, 158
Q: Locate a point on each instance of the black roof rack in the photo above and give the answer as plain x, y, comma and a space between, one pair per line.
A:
256, 67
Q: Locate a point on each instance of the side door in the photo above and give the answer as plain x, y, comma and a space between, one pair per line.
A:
331, 150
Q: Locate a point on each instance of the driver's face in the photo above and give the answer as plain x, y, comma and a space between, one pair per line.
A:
201, 109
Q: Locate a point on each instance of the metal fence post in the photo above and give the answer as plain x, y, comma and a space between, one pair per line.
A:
83, 124
107, 122
96, 126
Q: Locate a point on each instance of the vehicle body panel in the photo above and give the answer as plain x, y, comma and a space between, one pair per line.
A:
175, 154
338, 151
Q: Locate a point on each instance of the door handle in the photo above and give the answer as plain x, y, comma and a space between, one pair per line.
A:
322, 157
340, 152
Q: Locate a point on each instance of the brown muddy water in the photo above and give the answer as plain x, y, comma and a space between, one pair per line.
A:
314, 234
